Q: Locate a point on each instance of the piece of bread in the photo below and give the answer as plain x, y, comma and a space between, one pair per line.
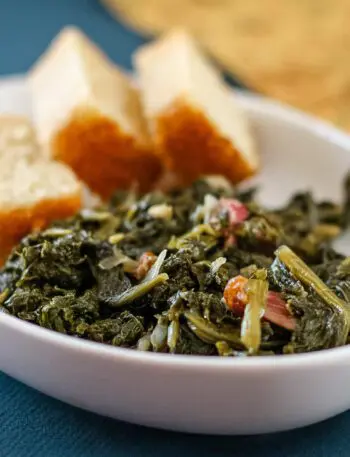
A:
193, 117
88, 115
17, 137
34, 190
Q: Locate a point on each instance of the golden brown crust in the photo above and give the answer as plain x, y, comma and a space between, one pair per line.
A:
190, 146
16, 223
104, 157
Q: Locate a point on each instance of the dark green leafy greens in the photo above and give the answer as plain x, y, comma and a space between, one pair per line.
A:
205, 271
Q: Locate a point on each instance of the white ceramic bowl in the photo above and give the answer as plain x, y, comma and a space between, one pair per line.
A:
199, 394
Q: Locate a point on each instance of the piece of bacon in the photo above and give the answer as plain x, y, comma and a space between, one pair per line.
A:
276, 311
146, 260
235, 294
237, 212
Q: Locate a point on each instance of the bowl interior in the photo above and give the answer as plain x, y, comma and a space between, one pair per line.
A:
298, 153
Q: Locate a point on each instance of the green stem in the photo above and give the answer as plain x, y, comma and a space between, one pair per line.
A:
305, 275
209, 333
137, 291
251, 323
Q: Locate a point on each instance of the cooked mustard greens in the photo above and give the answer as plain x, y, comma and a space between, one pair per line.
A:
203, 271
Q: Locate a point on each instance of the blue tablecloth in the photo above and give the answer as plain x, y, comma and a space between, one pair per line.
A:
32, 424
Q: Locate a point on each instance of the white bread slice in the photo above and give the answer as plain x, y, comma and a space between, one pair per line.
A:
194, 119
34, 190
88, 115
17, 137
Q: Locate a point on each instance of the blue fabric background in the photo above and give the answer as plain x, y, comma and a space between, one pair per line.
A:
32, 424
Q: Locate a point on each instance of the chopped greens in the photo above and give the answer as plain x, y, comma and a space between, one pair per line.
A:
204, 271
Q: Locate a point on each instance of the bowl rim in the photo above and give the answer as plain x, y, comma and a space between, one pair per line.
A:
253, 104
